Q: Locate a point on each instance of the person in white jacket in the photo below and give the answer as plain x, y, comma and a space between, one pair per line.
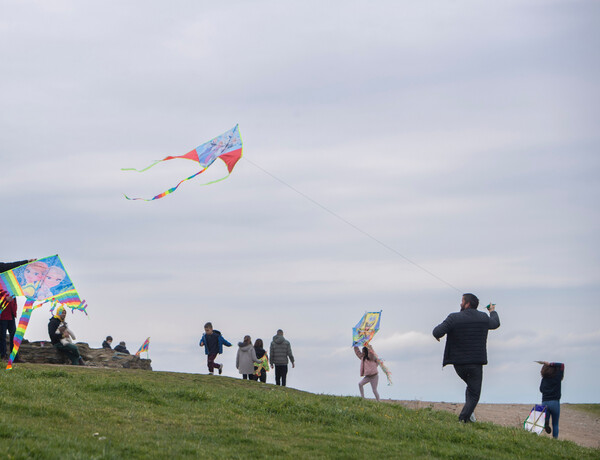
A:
246, 358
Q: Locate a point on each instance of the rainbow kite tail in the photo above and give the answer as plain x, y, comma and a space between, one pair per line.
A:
23, 322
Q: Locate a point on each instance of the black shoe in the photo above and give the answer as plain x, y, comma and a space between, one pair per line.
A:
548, 429
220, 369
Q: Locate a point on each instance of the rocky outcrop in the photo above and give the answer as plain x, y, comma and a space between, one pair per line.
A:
44, 353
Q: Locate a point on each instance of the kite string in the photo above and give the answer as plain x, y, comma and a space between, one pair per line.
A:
381, 243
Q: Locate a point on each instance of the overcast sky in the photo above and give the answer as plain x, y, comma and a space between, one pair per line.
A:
460, 135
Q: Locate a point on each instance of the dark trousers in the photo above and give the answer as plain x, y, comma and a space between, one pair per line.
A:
262, 376
210, 362
10, 326
472, 374
280, 374
70, 350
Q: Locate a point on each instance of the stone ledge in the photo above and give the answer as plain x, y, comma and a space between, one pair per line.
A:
44, 353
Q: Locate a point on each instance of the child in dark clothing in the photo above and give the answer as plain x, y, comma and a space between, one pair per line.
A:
550, 387
213, 342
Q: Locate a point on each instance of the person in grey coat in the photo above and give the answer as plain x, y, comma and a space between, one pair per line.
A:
246, 357
280, 352
466, 347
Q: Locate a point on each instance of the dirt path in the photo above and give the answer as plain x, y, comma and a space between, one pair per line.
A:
578, 426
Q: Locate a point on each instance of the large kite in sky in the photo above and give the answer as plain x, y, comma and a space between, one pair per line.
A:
227, 147
44, 281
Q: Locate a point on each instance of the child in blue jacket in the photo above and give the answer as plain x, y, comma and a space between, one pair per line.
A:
213, 342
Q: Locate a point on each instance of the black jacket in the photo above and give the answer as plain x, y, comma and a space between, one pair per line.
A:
466, 331
5, 266
551, 386
52, 327
121, 349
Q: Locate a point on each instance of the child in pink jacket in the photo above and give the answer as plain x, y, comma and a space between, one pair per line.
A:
368, 370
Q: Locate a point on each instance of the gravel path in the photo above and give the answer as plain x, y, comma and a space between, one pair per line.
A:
576, 425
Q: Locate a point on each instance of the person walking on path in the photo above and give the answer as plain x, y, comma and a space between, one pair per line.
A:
280, 352
56, 327
213, 342
550, 387
246, 358
466, 347
368, 370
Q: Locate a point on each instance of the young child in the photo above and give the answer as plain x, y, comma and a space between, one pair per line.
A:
550, 387
368, 370
213, 342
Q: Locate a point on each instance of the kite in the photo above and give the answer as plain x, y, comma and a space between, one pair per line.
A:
536, 420
44, 281
144, 347
263, 363
227, 147
366, 328
364, 331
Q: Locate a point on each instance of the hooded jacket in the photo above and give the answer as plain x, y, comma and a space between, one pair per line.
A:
245, 359
280, 351
467, 331
221, 342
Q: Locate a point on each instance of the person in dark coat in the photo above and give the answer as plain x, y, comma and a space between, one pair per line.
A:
122, 348
466, 347
260, 352
108, 342
550, 387
280, 352
56, 327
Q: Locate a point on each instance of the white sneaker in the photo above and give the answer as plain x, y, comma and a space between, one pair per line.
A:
472, 417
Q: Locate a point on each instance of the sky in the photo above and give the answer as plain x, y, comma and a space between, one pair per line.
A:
396, 155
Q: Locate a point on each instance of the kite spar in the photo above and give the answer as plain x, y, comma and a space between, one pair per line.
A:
227, 147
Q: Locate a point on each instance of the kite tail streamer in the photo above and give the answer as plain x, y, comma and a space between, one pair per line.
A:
23, 322
171, 190
385, 370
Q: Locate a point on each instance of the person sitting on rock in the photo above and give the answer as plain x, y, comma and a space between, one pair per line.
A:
54, 326
121, 348
108, 342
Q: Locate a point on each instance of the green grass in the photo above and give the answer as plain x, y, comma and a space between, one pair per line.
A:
55, 412
589, 408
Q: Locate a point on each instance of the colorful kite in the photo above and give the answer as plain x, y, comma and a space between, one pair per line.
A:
41, 282
144, 347
227, 147
366, 328
263, 363
536, 420
364, 331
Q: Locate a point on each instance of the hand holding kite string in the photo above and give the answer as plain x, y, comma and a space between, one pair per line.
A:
227, 147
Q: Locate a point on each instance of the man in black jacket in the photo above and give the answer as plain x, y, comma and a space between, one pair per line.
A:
466, 347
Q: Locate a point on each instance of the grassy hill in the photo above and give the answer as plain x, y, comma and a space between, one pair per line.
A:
56, 412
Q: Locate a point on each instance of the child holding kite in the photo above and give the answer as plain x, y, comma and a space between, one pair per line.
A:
368, 370
550, 387
213, 342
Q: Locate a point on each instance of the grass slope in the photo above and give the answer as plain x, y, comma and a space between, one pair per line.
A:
62, 412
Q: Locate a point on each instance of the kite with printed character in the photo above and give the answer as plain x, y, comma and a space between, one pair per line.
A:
363, 333
226, 147
42, 282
